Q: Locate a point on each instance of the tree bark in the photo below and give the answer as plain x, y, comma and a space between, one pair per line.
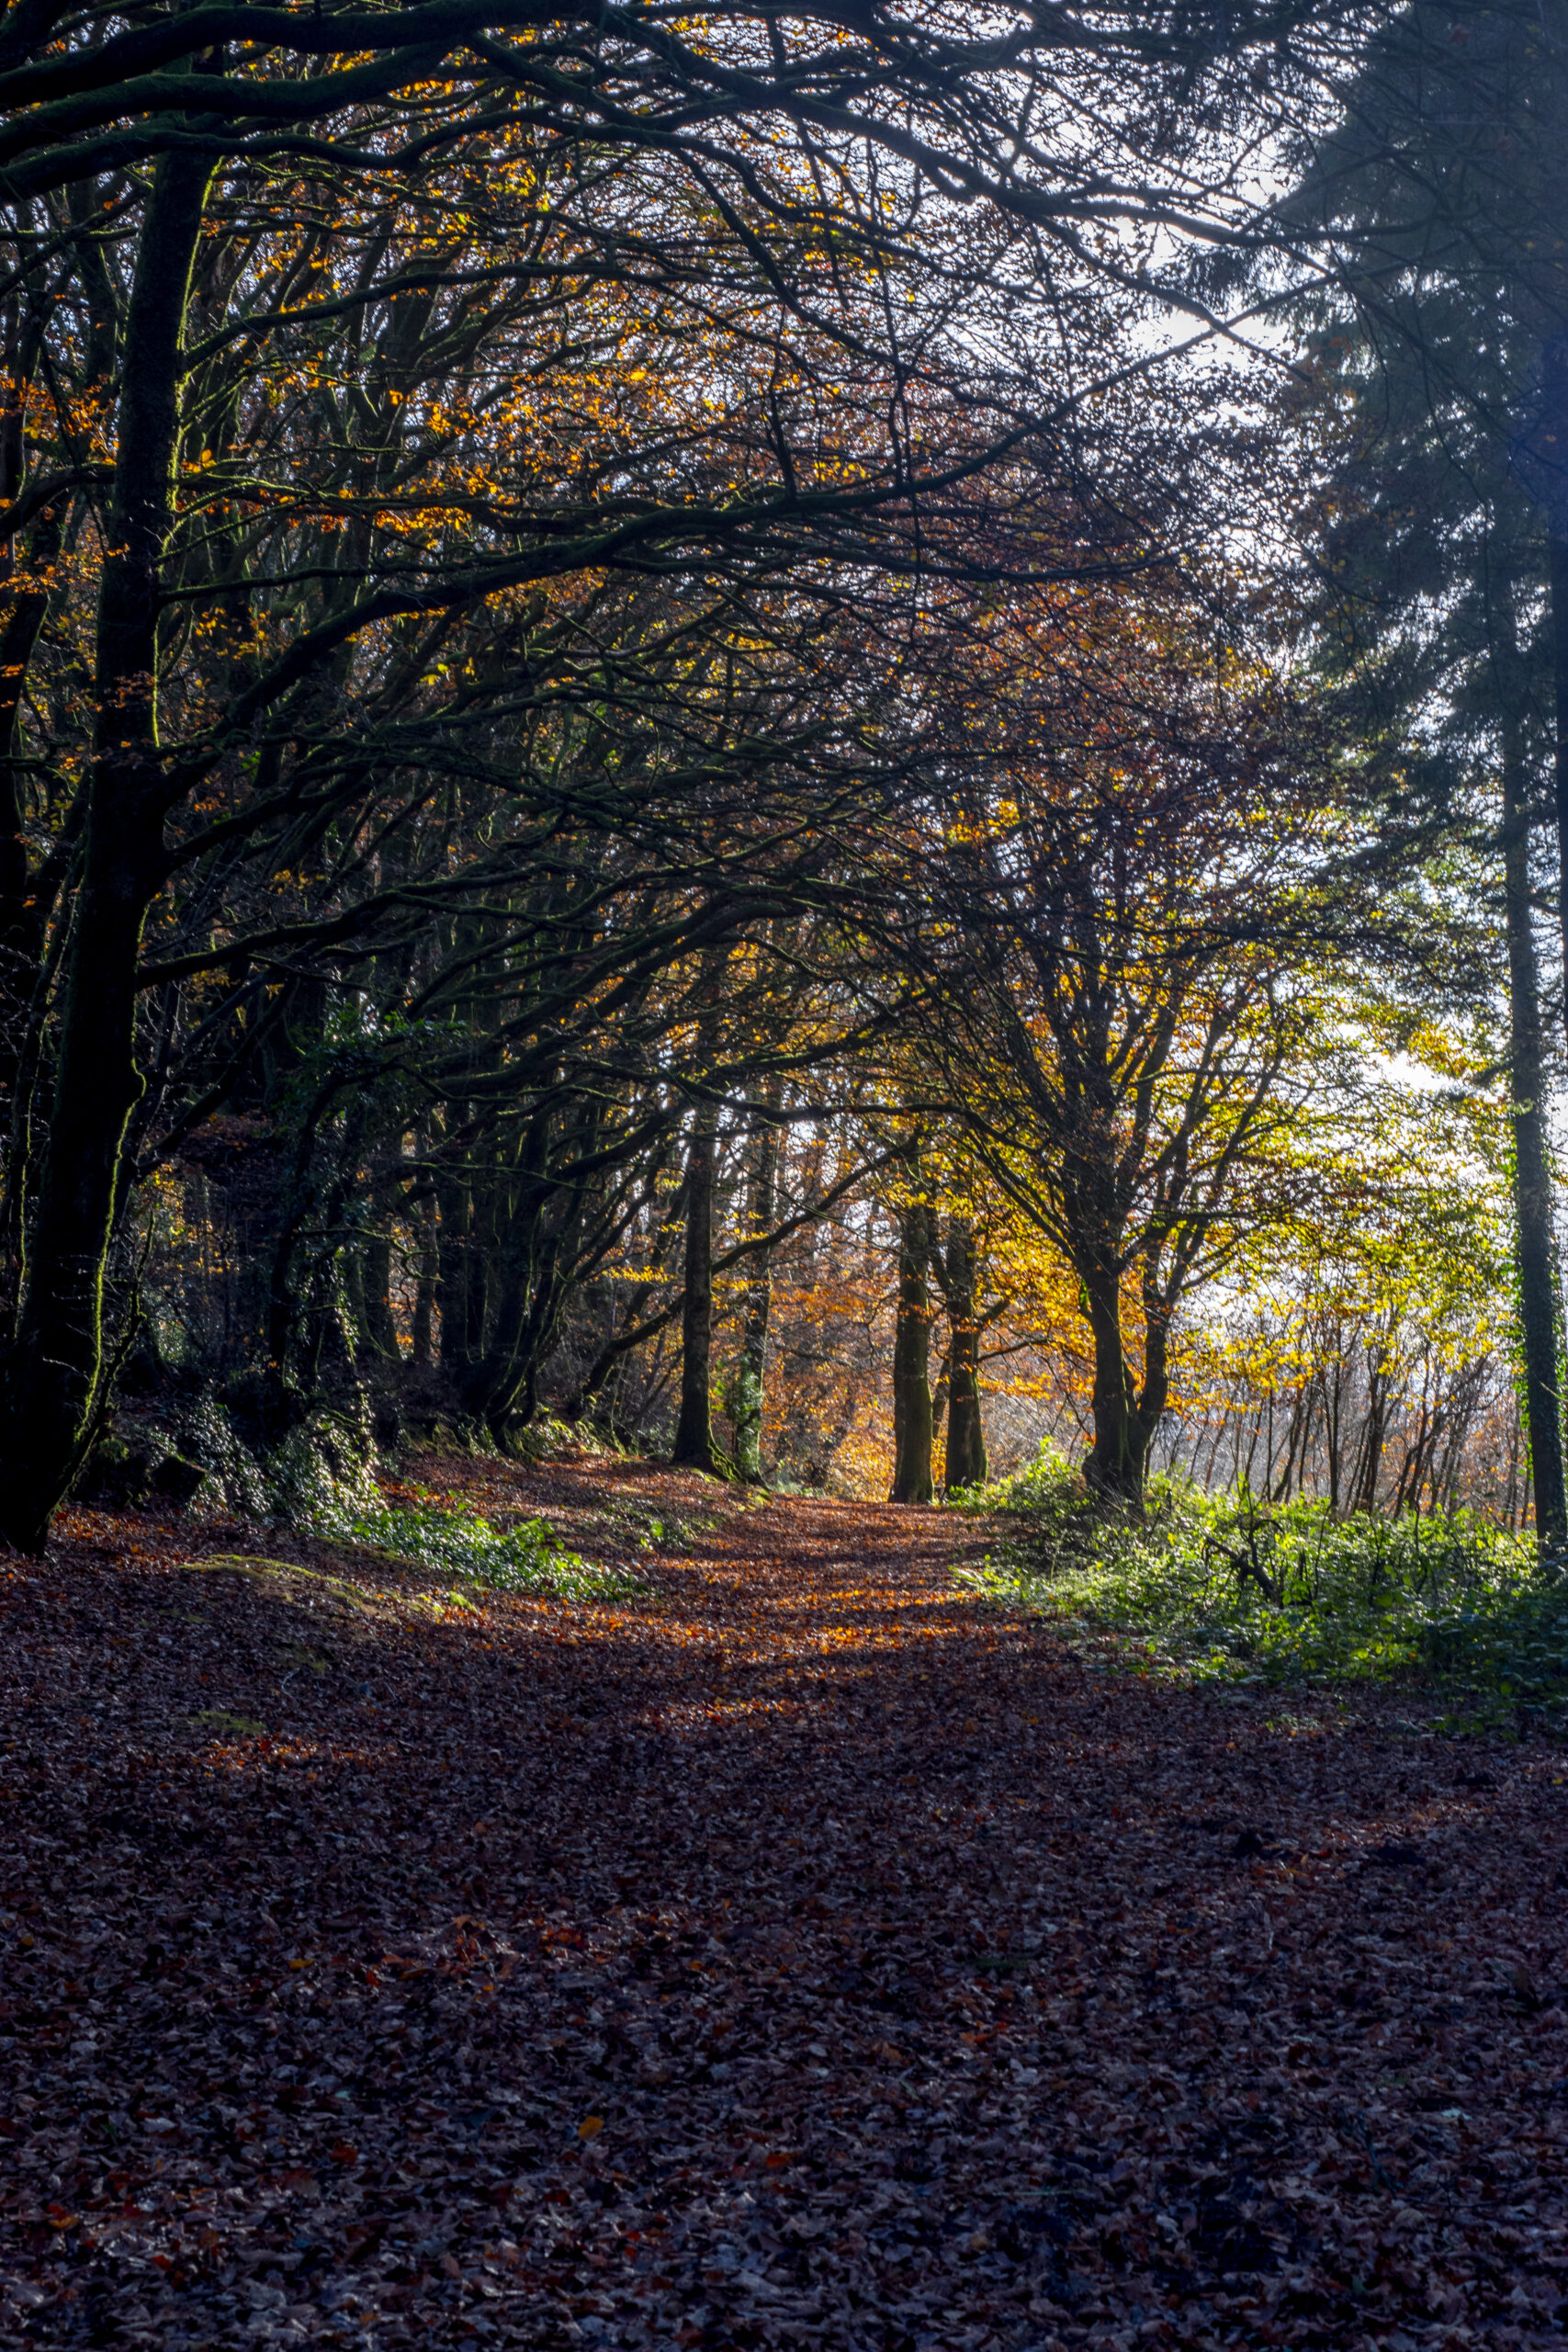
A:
1557, 553
1532, 1190
422, 1335
454, 1203
912, 1430
55, 1364
533, 1265
756, 1308
966, 1463
695, 1448
376, 1286
1124, 1421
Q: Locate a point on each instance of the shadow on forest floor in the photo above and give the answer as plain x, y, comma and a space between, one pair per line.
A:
804, 1953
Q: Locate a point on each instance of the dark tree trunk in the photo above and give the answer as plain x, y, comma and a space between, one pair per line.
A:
965, 1464
1124, 1421
376, 1265
1558, 557
1532, 1187
55, 1364
695, 1448
756, 1308
458, 1343
1333, 1426
19, 938
912, 1417
21, 924
422, 1335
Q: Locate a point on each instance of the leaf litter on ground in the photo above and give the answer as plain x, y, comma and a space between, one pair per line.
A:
791, 1949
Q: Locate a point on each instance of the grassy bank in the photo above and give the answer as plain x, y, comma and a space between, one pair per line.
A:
1222, 1589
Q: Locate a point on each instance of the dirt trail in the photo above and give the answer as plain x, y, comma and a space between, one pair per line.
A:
810, 1956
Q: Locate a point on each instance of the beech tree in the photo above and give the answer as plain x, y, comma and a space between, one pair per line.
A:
1111, 904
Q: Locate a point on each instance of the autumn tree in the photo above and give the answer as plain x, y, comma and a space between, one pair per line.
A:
1115, 895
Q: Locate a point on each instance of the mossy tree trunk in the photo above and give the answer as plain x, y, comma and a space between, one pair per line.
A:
54, 1367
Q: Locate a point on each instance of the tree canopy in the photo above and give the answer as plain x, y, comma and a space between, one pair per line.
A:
765, 724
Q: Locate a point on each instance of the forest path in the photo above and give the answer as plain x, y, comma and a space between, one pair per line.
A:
809, 1955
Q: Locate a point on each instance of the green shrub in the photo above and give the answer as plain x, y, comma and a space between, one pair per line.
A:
455, 1540
1225, 1588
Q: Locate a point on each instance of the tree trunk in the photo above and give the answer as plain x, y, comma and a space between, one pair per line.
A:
912, 1431
535, 1265
376, 1287
966, 1463
695, 1448
1282, 1489
424, 1288
1532, 1189
1117, 1462
1557, 553
460, 1344
20, 927
756, 1308
32, 589
55, 1364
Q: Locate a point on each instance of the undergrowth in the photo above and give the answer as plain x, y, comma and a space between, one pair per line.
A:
457, 1540
1227, 1588
344, 1505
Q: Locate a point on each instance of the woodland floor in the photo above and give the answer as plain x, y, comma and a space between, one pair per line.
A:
809, 1954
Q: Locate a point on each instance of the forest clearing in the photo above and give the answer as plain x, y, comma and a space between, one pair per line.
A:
796, 1949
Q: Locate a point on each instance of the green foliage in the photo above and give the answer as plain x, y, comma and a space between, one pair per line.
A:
457, 1541
1226, 1589
321, 1479
671, 1531
336, 1496
237, 1479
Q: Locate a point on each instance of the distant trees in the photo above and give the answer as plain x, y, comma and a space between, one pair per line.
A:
1361, 1349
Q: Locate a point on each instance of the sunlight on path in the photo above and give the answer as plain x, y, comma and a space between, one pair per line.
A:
813, 1956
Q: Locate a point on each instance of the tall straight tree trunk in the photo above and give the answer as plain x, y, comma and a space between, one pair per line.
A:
756, 1308
912, 1431
694, 1447
55, 1366
460, 1344
1532, 1190
19, 930
965, 1464
425, 1290
1557, 555
1333, 1426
